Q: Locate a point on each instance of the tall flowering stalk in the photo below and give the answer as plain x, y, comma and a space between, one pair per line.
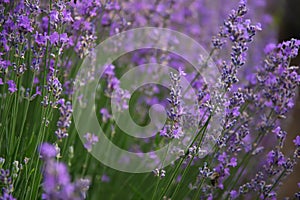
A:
174, 128
236, 133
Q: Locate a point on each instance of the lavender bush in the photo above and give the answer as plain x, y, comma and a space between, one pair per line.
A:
42, 47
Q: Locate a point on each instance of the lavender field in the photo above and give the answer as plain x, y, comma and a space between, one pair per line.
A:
149, 99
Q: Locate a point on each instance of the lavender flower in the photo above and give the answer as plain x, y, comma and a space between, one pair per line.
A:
64, 120
41, 39
54, 38
105, 178
5, 177
174, 129
113, 89
240, 32
297, 141
11, 86
279, 79
57, 181
47, 151
6, 195
91, 139
82, 185
233, 194
6, 181
24, 23
54, 85
105, 115
112, 81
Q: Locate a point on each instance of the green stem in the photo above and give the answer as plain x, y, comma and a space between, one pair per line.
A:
182, 159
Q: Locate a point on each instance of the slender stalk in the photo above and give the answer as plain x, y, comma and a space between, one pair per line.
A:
182, 159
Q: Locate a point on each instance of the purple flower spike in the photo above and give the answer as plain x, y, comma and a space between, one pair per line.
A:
57, 180
174, 128
64, 121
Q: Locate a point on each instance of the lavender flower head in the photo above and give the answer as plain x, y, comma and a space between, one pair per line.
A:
11, 86
174, 128
47, 151
90, 140
6, 195
56, 179
64, 120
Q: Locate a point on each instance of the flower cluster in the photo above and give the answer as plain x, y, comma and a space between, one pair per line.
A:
9, 177
278, 78
54, 86
64, 120
56, 179
174, 129
240, 32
